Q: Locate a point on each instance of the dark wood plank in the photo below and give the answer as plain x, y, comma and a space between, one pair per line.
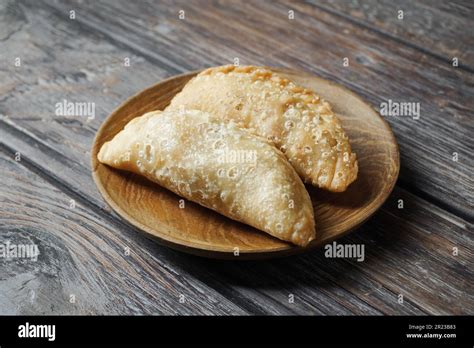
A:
409, 257
59, 148
424, 247
434, 27
379, 70
81, 254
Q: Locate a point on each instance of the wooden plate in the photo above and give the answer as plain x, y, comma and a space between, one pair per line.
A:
201, 231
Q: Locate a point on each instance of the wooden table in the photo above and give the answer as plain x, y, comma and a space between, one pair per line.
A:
418, 247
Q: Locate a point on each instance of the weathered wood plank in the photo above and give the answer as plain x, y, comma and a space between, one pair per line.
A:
427, 242
409, 251
81, 255
435, 27
379, 70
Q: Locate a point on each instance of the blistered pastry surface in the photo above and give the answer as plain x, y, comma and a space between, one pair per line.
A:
295, 119
219, 166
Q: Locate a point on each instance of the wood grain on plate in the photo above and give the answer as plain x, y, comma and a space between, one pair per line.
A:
201, 231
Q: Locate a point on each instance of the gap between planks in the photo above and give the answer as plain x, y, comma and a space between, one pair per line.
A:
380, 32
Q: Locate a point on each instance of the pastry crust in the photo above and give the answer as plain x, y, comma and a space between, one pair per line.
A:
295, 119
219, 166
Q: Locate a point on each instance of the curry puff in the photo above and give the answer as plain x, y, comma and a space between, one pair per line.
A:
295, 119
219, 166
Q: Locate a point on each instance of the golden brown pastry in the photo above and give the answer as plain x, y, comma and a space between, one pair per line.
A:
219, 166
295, 119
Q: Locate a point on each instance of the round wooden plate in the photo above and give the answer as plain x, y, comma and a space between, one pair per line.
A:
201, 231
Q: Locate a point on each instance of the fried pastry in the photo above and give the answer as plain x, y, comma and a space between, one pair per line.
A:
219, 166
295, 119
